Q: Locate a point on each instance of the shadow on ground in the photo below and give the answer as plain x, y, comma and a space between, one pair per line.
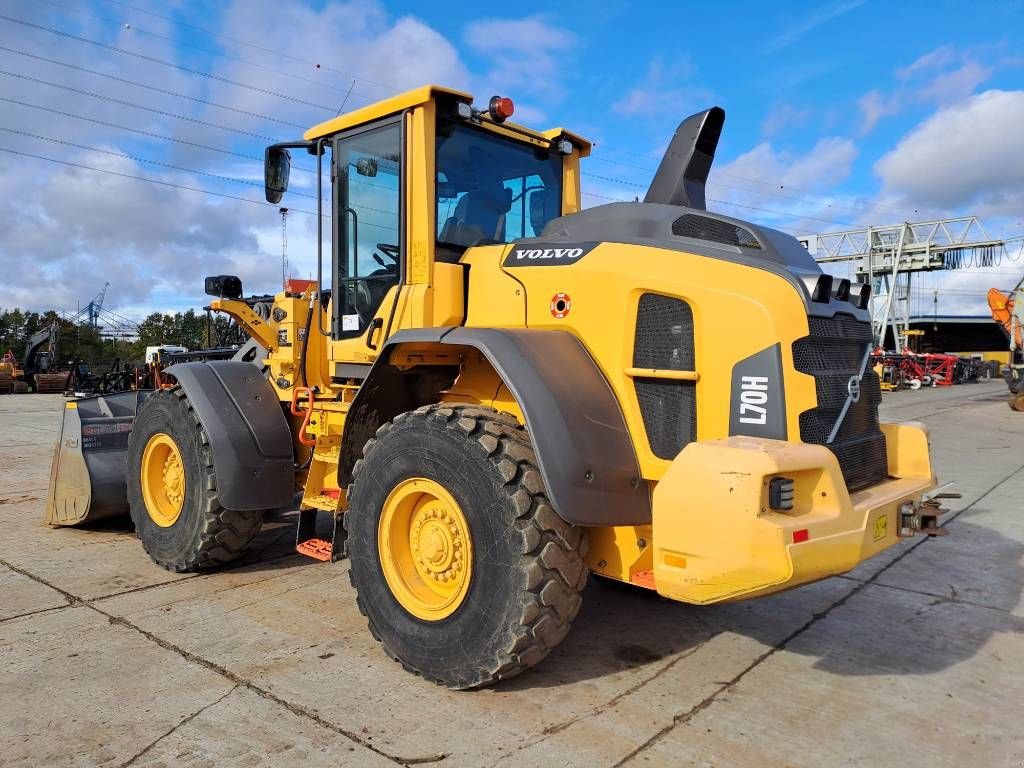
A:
915, 628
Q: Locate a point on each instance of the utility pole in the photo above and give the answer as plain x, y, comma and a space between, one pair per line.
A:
284, 247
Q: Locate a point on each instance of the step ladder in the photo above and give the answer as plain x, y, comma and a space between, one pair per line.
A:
308, 543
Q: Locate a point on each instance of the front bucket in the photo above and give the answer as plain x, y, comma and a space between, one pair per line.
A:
87, 479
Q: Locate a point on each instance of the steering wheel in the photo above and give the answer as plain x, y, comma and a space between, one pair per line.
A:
389, 250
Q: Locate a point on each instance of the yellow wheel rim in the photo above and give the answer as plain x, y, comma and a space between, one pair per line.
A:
425, 549
163, 480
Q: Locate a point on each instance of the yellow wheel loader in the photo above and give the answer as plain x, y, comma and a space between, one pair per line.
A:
491, 393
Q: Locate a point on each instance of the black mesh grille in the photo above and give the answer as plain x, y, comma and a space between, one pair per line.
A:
832, 353
706, 228
664, 341
669, 409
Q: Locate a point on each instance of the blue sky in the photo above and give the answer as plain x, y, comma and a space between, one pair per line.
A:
839, 114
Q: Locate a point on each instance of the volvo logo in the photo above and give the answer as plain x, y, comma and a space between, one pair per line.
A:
853, 388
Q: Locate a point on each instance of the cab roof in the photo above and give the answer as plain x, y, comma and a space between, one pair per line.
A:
415, 98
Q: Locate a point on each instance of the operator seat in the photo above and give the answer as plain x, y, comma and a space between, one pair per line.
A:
479, 216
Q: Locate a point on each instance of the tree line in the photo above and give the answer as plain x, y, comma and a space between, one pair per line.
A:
80, 341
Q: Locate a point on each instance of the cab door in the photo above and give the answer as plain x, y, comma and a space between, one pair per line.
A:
369, 226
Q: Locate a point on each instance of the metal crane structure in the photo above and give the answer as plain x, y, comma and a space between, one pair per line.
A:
95, 307
887, 257
108, 324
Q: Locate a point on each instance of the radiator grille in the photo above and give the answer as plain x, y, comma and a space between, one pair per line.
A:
664, 341
832, 353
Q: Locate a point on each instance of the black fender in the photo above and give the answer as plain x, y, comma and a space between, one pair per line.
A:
583, 447
248, 431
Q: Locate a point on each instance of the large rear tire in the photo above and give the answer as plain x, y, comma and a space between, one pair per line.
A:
172, 489
463, 569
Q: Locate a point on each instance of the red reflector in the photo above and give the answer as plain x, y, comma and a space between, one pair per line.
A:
800, 536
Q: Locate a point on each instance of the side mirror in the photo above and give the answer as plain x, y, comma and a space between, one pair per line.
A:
277, 167
366, 166
224, 286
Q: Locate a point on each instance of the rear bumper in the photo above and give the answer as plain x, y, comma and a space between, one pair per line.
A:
715, 537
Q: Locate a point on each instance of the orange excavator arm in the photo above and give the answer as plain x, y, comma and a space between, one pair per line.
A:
1001, 305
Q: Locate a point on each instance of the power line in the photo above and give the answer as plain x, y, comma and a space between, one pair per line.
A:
151, 181
153, 59
146, 133
244, 85
185, 44
149, 87
187, 188
140, 131
137, 106
806, 193
256, 46
137, 159
320, 106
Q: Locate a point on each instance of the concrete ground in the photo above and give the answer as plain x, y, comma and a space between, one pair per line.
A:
916, 658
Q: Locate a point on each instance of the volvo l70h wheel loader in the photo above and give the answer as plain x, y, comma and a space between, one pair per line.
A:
491, 393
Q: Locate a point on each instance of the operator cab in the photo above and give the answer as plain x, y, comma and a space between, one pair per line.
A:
396, 209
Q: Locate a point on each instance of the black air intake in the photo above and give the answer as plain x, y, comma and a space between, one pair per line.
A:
717, 231
664, 341
683, 171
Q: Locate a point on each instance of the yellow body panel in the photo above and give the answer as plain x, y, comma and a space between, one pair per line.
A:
715, 537
737, 312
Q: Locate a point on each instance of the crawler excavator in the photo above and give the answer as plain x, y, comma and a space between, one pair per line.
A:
490, 393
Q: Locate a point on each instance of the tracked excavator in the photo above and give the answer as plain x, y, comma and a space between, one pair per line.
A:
490, 393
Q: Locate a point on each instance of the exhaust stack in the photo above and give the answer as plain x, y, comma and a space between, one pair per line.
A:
684, 169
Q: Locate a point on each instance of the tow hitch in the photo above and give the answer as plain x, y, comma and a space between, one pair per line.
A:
924, 517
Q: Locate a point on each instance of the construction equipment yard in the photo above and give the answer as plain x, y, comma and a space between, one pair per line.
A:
917, 655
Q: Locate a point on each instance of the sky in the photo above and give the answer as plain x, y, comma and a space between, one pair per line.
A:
839, 115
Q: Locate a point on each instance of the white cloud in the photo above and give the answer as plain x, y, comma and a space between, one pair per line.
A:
826, 165
873, 107
784, 116
970, 154
664, 83
354, 40
528, 57
942, 76
765, 182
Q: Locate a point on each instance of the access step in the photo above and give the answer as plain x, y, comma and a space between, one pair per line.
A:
309, 544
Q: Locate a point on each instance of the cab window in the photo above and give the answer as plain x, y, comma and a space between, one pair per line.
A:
492, 189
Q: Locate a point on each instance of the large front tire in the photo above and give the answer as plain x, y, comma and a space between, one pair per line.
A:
491, 593
172, 490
